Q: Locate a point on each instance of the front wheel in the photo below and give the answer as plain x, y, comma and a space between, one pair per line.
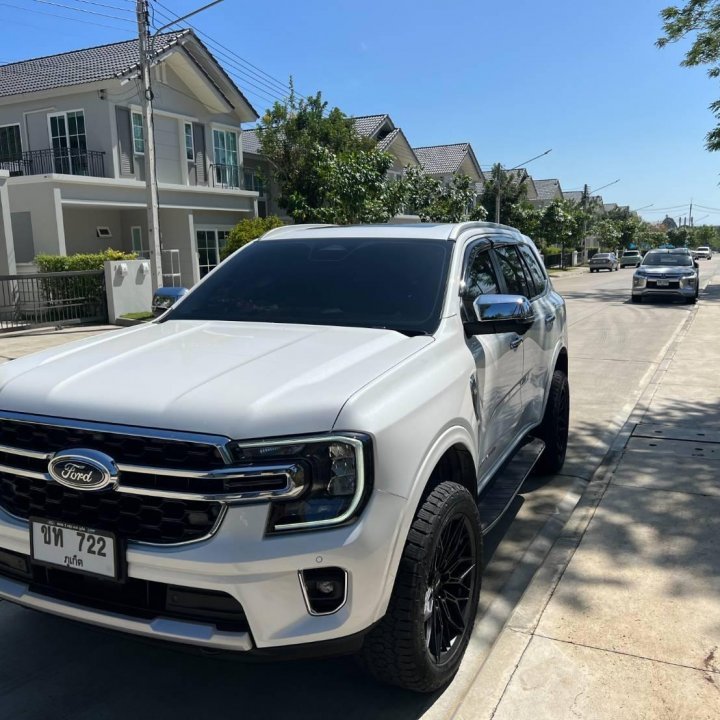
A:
420, 642
636, 298
555, 425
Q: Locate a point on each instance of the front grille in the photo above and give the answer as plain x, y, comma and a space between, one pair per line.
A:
142, 518
123, 448
672, 285
141, 599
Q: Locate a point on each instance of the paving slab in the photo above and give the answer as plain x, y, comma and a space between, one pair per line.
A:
17, 344
673, 432
556, 680
656, 471
645, 580
680, 448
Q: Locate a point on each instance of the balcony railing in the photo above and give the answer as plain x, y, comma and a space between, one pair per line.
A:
226, 176
64, 162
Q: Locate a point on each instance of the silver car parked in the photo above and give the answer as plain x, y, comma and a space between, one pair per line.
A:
604, 261
666, 272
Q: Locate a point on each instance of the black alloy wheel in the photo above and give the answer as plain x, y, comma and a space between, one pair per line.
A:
448, 610
419, 643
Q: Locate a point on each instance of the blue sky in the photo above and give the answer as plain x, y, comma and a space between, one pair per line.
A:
514, 79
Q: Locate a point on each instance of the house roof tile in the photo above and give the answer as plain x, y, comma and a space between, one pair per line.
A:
368, 125
251, 141
442, 159
548, 189
78, 66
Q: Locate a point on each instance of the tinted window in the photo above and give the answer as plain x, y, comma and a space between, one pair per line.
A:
667, 259
480, 278
395, 284
534, 270
511, 268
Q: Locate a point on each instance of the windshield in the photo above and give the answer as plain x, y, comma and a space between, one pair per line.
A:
634, 253
377, 283
602, 256
673, 259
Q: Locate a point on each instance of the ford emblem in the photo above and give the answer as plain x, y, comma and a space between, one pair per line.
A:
83, 469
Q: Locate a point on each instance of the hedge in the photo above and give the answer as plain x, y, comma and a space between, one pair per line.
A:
247, 230
80, 261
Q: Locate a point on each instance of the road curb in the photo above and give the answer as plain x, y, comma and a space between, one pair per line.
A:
505, 652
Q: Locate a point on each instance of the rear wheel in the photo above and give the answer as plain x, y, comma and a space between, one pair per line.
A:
554, 427
636, 298
420, 642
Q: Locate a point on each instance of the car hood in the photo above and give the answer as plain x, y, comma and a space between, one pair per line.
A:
243, 380
673, 270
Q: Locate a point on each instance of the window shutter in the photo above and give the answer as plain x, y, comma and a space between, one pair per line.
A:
124, 132
200, 161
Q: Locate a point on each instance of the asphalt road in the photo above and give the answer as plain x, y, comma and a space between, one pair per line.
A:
56, 669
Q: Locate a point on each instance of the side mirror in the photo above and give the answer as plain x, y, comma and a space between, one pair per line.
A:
495, 314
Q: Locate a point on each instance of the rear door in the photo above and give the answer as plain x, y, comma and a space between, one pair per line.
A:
499, 363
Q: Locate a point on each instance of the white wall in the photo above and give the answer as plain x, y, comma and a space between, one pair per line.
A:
129, 287
81, 230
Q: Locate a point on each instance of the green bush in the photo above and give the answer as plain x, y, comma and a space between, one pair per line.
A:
247, 230
80, 261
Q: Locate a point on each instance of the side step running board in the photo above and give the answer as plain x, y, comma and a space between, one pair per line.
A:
503, 488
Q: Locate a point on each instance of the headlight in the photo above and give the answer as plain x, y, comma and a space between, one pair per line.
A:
639, 280
337, 478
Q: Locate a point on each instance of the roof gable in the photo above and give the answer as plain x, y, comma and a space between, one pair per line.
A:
548, 189
445, 159
116, 60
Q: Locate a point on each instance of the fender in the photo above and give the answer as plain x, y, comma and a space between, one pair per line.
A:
454, 435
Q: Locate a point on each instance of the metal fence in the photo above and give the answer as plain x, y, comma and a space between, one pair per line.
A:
63, 298
558, 260
66, 161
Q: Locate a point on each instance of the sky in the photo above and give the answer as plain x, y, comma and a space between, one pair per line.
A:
513, 78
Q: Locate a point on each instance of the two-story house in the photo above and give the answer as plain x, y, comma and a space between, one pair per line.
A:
71, 136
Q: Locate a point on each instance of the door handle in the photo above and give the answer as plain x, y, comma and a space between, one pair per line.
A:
516, 343
549, 319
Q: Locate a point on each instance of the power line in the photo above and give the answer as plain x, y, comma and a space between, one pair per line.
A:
281, 86
83, 10
272, 92
61, 17
102, 5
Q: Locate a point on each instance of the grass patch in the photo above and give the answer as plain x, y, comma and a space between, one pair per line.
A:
138, 316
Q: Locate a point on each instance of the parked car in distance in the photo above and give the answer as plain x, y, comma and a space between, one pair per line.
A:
702, 253
165, 297
631, 258
604, 261
666, 272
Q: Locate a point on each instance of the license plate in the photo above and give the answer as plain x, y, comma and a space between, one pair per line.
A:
663, 283
75, 548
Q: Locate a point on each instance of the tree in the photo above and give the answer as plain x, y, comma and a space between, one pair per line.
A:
701, 20
607, 233
425, 196
558, 224
300, 138
513, 193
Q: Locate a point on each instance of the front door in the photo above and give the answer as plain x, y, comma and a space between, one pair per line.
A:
499, 361
68, 142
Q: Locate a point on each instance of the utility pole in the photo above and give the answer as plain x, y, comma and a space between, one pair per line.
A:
690, 214
153, 212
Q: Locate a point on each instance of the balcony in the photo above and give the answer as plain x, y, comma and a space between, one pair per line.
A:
64, 162
227, 176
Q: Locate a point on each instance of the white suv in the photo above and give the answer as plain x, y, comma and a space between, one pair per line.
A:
301, 456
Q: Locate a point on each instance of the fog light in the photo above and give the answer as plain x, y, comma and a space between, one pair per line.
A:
324, 589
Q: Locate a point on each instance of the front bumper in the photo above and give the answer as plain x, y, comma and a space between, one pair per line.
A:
260, 572
679, 288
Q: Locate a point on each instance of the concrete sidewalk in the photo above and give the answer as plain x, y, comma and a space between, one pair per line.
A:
622, 620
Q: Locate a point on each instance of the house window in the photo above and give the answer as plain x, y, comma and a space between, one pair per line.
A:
253, 181
210, 243
225, 152
10, 143
136, 236
138, 134
68, 141
189, 144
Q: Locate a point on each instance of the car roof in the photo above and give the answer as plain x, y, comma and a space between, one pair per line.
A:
388, 231
668, 251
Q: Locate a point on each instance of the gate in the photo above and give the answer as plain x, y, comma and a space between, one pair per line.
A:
61, 298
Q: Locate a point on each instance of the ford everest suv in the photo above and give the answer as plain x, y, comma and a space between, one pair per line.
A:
301, 456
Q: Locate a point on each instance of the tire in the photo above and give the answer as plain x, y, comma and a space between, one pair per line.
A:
636, 298
692, 300
554, 427
411, 647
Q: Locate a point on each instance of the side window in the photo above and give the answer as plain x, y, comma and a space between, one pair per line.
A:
480, 276
512, 270
536, 272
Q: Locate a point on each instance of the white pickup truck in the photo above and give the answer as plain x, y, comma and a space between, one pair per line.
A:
300, 457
